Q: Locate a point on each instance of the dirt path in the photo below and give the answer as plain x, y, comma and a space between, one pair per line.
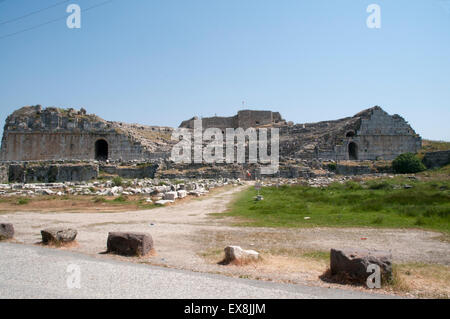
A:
187, 237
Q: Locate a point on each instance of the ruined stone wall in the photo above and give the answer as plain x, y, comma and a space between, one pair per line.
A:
386, 147
244, 119
147, 171
436, 159
3, 174
219, 122
378, 135
51, 173
33, 133
353, 170
26, 146
249, 118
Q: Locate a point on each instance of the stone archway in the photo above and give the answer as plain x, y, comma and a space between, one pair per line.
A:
101, 150
353, 151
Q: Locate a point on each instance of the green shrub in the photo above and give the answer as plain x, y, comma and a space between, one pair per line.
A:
117, 181
407, 163
420, 221
378, 220
121, 199
23, 201
99, 200
352, 185
379, 185
332, 166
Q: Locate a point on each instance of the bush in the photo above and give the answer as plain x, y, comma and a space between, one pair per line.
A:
23, 201
117, 181
121, 199
407, 163
352, 185
332, 167
379, 185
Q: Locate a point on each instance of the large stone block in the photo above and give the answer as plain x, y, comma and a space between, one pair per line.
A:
170, 196
129, 244
58, 235
354, 262
6, 231
235, 254
182, 193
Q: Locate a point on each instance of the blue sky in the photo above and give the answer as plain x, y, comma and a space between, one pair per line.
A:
159, 62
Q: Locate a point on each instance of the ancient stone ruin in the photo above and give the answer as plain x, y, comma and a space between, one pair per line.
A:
54, 144
244, 119
33, 133
369, 135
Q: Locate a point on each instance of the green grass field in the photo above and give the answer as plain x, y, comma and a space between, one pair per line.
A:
377, 203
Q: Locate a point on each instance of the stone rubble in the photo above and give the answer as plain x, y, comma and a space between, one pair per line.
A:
235, 254
155, 191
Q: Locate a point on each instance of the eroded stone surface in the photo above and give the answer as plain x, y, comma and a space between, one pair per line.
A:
58, 235
6, 231
129, 244
238, 255
354, 262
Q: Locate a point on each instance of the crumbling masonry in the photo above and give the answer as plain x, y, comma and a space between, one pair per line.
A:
36, 134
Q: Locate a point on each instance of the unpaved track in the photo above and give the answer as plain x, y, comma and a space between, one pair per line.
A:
37, 272
183, 232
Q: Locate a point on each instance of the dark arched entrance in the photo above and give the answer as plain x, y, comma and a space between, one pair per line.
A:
352, 151
101, 150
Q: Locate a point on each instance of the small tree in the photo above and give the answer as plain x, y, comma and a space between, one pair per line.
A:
407, 163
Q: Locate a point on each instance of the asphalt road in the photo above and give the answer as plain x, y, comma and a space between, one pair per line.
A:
39, 272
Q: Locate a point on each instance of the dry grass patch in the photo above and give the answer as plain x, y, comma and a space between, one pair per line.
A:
422, 280
55, 244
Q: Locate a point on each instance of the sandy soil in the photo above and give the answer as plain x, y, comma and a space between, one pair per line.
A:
186, 236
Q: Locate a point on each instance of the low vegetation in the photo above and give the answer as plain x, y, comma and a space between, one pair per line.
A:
117, 181
407, 163
389, 203
433, 146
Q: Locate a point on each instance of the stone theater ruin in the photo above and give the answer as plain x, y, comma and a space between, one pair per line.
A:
54, 135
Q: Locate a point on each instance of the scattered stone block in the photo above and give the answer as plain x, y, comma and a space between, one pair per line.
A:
170, 196
354, 262
235, 254
6, 231
129, 244
163, 202
58, 235
182, 193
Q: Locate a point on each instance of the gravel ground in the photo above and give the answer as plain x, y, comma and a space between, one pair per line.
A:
38, 272
184, 234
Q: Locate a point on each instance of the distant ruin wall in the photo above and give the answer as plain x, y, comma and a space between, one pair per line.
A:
249, 118
3, 174
147, 171
244, 119
32, 173
349, 170
28, 146
436, 159
386, 147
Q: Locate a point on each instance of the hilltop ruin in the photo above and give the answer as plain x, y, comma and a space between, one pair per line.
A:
35, 134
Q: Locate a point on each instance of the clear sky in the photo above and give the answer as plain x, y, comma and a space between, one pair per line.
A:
159, 62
